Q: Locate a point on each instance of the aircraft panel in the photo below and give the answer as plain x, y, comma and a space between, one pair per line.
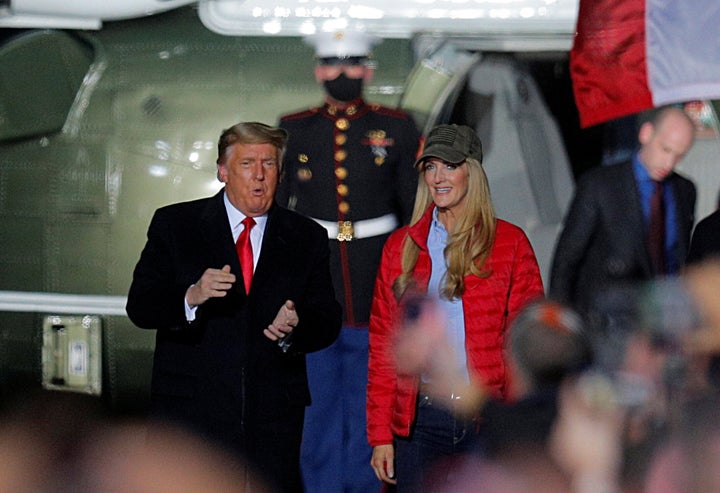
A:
19, 352
41, 74
399, 19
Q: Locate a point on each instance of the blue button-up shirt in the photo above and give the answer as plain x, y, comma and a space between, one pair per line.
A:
453, 309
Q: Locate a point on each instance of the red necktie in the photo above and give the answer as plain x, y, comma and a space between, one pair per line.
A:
245, 253
656, 229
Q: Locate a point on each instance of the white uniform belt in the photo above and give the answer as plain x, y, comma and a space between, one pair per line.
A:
355, 230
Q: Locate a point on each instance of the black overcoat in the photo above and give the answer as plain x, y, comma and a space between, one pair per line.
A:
220, 374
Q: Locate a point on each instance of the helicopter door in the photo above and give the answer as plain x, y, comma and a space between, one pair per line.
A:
435, 82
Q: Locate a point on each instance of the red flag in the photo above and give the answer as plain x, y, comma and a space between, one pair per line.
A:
631, 55
607, 60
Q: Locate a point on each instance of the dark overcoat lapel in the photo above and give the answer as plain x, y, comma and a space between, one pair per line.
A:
685, 196
274, 247
218, 239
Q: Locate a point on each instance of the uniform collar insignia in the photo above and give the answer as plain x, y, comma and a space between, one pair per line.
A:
349, 110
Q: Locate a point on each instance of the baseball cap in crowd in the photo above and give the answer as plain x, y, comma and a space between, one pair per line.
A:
343, 46
451, 143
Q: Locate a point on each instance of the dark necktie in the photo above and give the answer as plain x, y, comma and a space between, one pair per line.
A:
245, 253
656, 229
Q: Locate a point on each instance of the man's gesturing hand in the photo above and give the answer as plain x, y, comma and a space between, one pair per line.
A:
284, 323
214, 283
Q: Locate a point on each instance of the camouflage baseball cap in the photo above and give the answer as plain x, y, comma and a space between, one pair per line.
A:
451, 143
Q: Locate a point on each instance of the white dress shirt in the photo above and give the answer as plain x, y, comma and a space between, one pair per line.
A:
235, 218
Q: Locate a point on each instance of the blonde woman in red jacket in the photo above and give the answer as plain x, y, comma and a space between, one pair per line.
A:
480, 271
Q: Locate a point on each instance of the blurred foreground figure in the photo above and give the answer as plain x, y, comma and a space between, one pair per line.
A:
642, 417
689, 461
523, 471
705, 241
703, 282
546, 345
482, 271
63, 443
640, 420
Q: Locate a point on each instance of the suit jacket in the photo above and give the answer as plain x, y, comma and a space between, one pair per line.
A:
705, 243
603, 243
219, 373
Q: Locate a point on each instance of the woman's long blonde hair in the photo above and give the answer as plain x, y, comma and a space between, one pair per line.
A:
469, 243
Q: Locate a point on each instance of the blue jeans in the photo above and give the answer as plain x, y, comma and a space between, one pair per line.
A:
423, 460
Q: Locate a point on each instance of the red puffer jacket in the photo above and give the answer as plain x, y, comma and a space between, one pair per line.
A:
489, 304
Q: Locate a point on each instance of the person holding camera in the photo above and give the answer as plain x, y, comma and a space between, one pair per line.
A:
482, 271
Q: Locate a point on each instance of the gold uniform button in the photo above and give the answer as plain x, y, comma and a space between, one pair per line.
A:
342, 124
304, 174
379, 160
342, 190
340, 139
340, 155
303, 158
341, 173
343, 207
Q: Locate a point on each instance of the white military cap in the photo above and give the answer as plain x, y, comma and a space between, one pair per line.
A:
342, 43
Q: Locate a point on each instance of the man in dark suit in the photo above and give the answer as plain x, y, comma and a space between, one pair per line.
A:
705, 248
605, 240
705, 243
230, 362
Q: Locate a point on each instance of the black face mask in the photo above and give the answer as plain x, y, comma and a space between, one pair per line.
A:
343, 88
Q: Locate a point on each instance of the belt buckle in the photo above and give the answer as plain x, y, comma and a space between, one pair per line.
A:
346, 231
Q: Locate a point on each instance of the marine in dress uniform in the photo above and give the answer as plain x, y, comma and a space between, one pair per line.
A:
348, 166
